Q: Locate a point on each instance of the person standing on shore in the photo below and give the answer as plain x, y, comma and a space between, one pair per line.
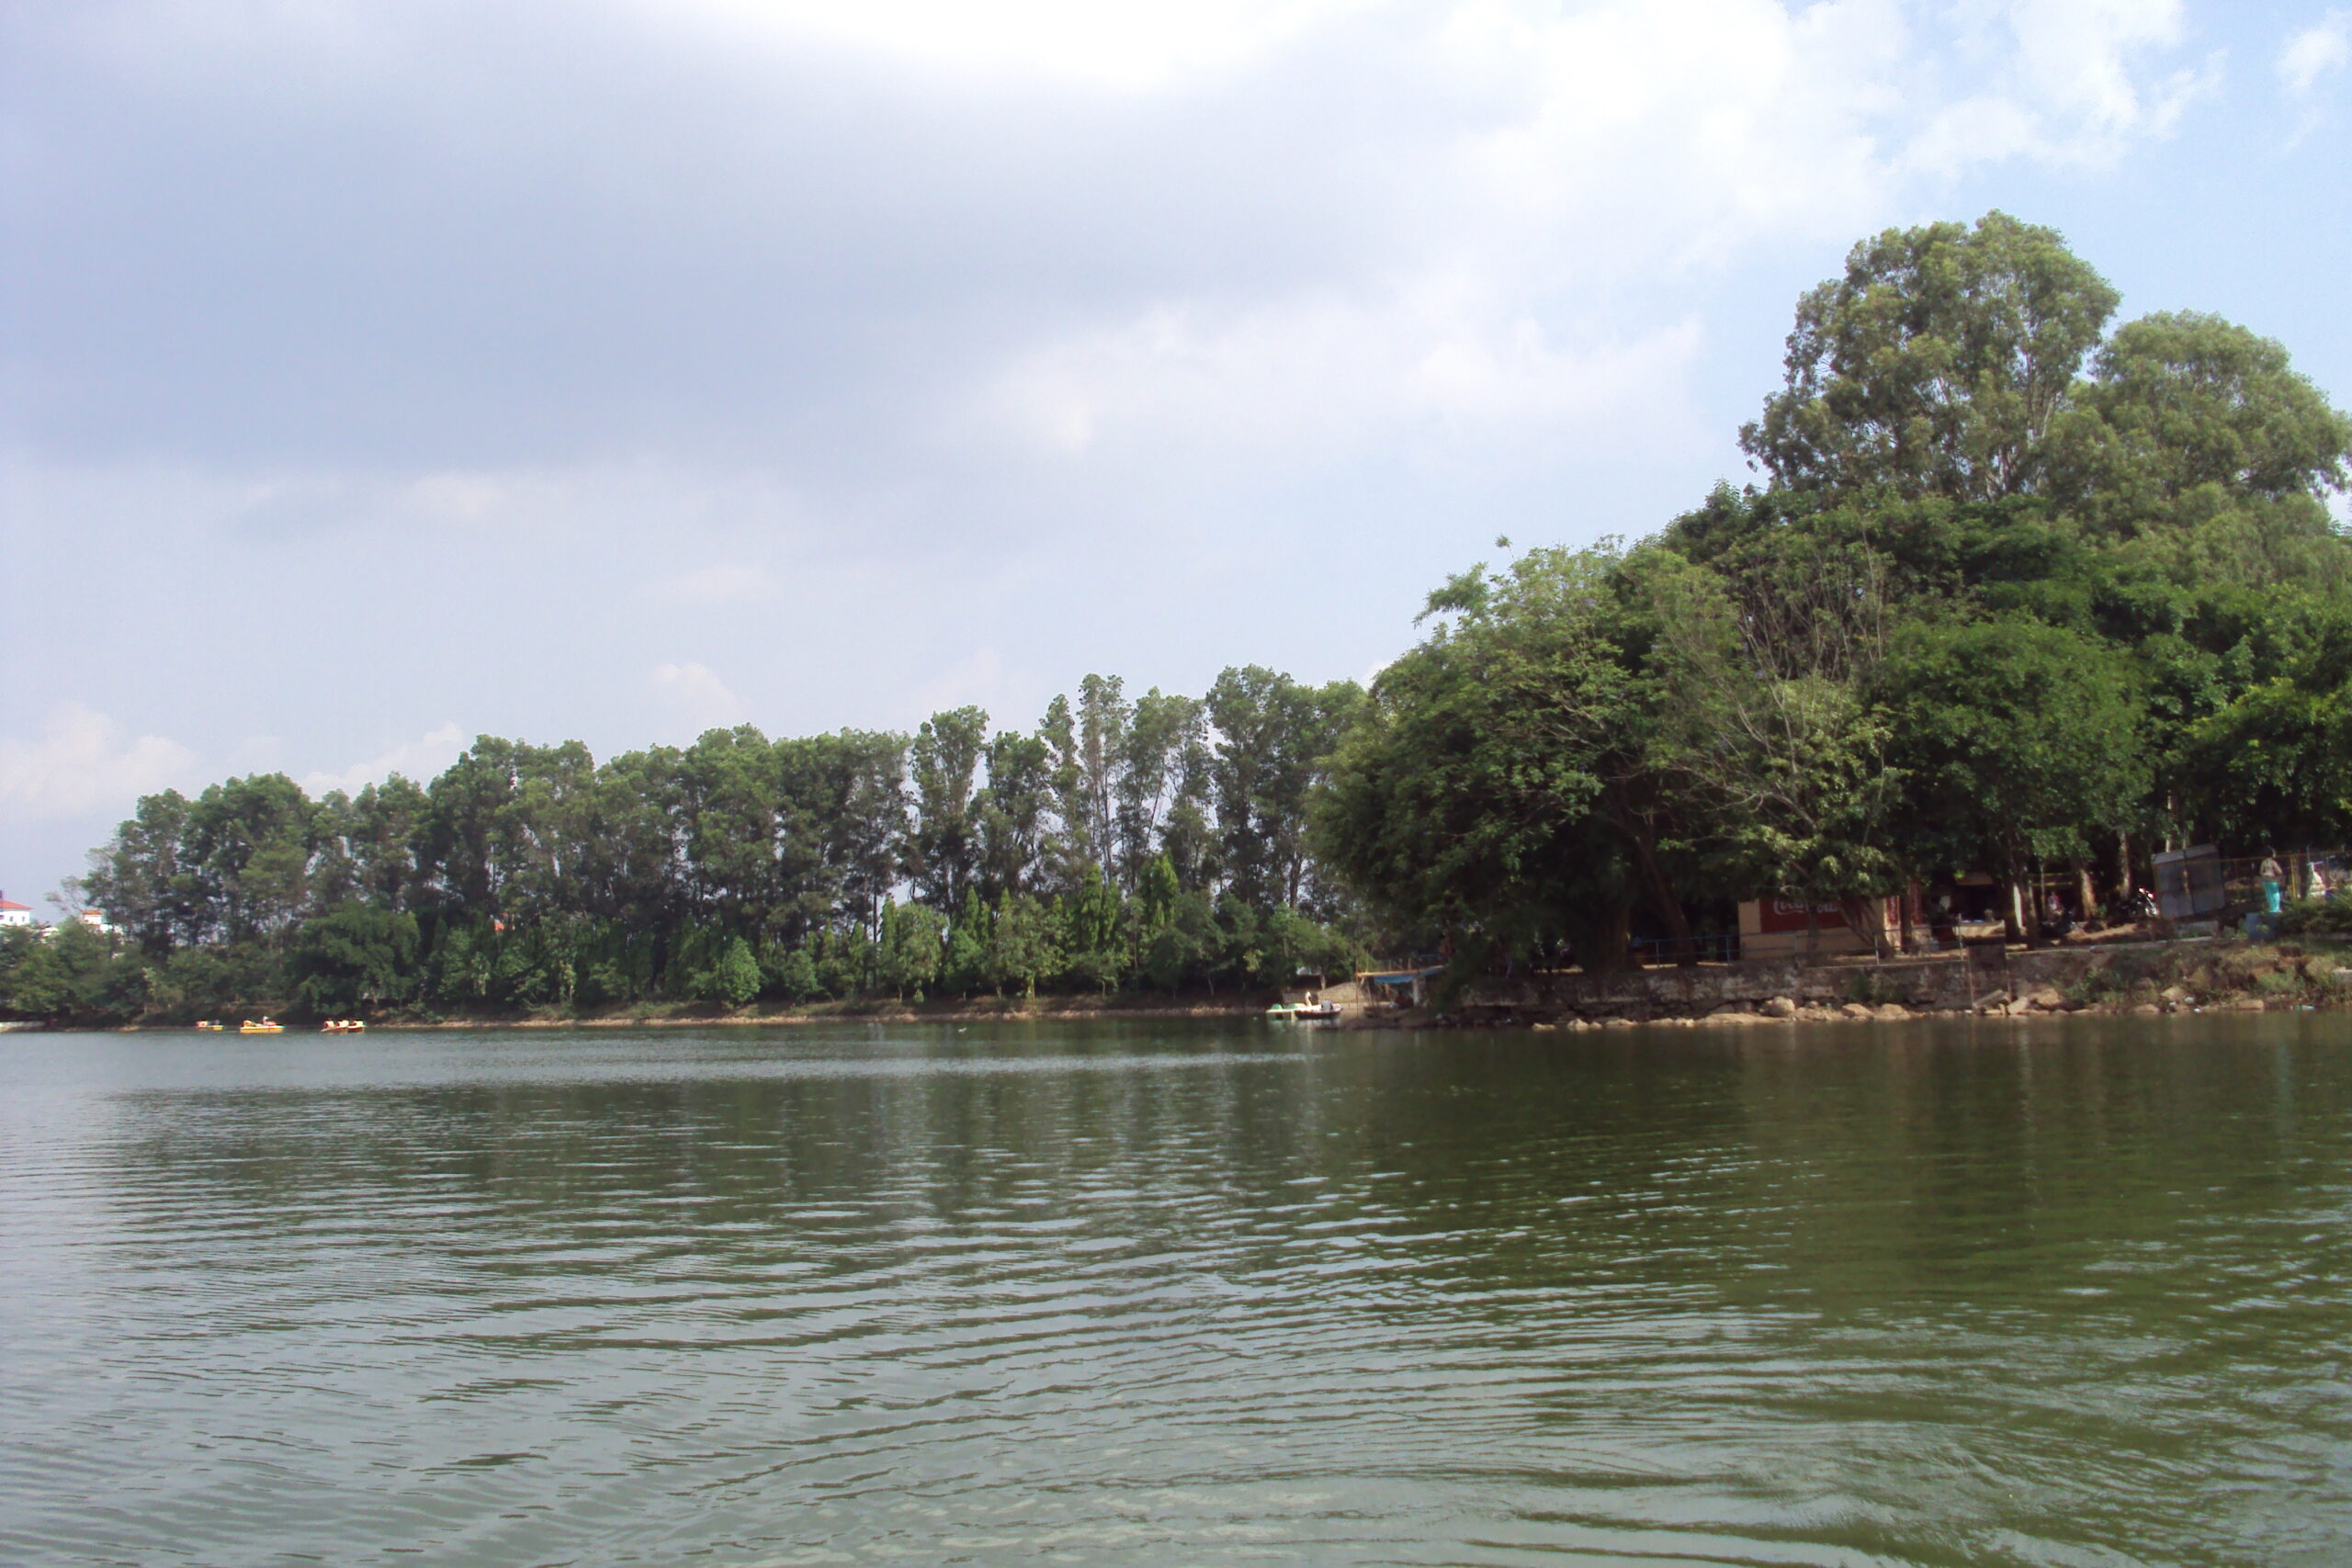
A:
2271, 877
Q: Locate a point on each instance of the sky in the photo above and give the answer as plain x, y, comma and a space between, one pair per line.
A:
377, 374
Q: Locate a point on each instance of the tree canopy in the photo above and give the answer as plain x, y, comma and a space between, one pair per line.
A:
2019, 588
1157, 841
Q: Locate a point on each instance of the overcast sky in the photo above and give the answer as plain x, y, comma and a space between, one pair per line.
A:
372, 375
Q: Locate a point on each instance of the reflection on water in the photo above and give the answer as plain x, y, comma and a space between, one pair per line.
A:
2071, 1293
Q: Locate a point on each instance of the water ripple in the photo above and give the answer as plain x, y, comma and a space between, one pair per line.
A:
1187, 1293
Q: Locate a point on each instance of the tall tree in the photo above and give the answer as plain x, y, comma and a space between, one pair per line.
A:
138, 880
248, 842
1272, 735
1013, 815
1935, 366
942, 857
1763, 729
1162, 765
727, 803
1466, 797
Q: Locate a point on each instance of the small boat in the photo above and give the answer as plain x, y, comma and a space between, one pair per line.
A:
266, 1026
343, 1025
1303, 1013
206, 1026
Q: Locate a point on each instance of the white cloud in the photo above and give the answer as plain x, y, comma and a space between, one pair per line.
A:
2318, 51
2066, 81
1622, 152
1119, 47
419, 760
694, 697
1312, 379
85, 762
526, 362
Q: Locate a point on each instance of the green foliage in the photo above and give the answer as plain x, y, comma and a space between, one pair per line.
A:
734, 979
2316, 916
2015, 588
529, 876
914, 937
70, 972
356, 958
796, 977
1467, 789
2018, 738
1935, 366
1021, 949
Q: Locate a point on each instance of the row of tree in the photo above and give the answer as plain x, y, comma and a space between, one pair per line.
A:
1155, 842
2019, 590
2018, 593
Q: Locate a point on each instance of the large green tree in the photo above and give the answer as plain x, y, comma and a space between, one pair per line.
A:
1467, 797
1935, 366
2017, 740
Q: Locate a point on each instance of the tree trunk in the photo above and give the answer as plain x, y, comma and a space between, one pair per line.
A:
1608, 945
1669, 907
2012, 918
1864, 920
2084, 890
2122, 869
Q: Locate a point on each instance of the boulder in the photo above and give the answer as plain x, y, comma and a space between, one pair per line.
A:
1858, 1010
1892, 1010
2146, 1010
2048, 1000
1779, 1007
2175, 994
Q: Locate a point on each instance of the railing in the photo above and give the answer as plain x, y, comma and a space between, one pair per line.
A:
1721, 948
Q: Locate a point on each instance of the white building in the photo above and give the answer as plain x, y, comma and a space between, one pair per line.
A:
14, 914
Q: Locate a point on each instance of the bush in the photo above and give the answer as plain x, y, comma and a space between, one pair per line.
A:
357, 957
2316, 916
1872, 988
737, 979
796, 976
723, 970
2278, 983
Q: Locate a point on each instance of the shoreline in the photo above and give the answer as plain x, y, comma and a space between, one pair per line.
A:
2143, 980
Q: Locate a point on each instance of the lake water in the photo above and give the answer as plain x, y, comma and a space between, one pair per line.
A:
2053, 1292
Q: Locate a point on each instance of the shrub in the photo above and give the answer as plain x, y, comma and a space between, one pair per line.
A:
2316, 916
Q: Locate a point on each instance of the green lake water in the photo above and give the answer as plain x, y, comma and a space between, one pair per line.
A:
2070, 1291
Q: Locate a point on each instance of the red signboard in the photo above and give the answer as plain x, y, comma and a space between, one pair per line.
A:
1775, 915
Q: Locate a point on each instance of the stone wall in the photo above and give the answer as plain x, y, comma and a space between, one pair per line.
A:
1981, 979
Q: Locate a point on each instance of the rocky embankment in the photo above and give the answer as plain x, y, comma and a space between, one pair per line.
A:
2146, 979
